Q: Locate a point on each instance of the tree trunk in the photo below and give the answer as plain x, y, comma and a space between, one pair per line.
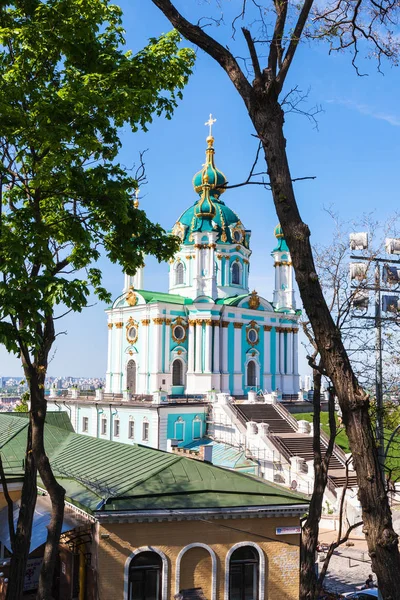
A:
267, 117
22, 538
55, 491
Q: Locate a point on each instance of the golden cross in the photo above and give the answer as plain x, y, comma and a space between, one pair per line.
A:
210, 123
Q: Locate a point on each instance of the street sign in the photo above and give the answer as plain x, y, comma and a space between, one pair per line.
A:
288, 530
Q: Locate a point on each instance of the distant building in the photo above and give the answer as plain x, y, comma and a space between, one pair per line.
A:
209, 331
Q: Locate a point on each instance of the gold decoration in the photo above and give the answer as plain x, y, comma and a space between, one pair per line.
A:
132, 298
110, 325
208, 321
212, 246
238, 325
267, 327
199, 321
179, 230
189, 256
252, 326
227, 257
237, 247
254, 300
179, 322
253, 353
215, 323
219, 256
119, 325
145, 322
225, 323
236, 260
130, 353
223, 237
168, 321
192, 322
132, 337
179, 351
158, 321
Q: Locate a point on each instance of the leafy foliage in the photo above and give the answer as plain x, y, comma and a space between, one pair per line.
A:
68, 85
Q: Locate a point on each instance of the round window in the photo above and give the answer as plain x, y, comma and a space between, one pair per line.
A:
252, 336
179, 332
237, 236
132, 333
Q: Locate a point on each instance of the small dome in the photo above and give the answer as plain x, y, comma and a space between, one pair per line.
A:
282, 245
278, 233
209, 174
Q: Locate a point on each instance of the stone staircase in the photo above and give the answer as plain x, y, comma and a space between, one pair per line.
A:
283, 431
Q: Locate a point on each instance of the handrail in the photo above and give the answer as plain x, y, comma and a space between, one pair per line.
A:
337, 450
286, 415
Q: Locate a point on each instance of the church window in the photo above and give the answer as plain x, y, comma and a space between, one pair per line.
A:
251, 374
177, 372
145, 432
196, 428
179, 274
132, 333
178, 333
131, 430
116, 428
131, 376
252, 336
236, 273
145, 571
104, 426
237, 236
85, 424
179, 429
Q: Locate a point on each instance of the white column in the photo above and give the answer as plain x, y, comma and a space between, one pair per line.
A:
199, 338
267, 349
282, 352
227, 270
220, 265
144, 359
289, 357
225, 325
216, 347
237, 347
156, 349
277, 351
208, 346
191, 346
109, 358
295, 352
167, 344
117, 379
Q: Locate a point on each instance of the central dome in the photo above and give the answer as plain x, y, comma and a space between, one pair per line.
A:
209, 213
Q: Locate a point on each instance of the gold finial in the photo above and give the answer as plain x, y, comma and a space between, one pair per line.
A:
136, 201
210, 123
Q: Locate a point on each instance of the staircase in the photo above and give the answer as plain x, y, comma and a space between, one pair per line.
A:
284, 434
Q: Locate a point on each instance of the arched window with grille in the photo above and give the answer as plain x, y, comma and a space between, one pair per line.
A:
244, 574
251, 373
177, 372
179, 274
236, 273
145, 571
131, 376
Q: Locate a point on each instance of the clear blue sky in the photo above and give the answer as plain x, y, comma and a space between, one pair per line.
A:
354, 154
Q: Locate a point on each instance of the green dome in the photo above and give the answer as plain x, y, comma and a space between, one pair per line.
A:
209, 213
282, 245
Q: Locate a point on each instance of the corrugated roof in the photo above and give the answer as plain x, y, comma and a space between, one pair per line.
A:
114, 476
224, 455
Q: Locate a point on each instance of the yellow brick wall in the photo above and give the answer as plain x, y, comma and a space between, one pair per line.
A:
14, 494
281, 559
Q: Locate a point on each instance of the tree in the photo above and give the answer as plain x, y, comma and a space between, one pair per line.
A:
22, 405
68, 85
345, 25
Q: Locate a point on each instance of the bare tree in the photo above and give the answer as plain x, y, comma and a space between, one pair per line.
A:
346, 25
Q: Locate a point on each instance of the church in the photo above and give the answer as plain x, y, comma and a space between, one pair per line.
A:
209, 332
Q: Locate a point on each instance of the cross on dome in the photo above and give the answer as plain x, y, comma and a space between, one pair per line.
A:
210, 123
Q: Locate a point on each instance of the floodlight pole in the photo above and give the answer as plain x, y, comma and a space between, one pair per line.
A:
379, 372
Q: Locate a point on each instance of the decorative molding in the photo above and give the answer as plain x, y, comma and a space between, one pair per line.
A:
199, 321
208, 322
212, 246
254, 300
238, 325
145, 322
110, 325
168, 321
132, 324
119, 325
227, 257
261, 579
215, 323
219, 256
267, 327
225, 323
158, 321
213, 567
164, 574
192, 322
283, 263
252, 326
132, 298
189, 256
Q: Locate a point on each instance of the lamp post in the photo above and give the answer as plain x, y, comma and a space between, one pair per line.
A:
391, 275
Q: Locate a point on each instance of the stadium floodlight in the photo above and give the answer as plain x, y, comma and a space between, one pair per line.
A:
359, 241
358, 271
390, 274
391, 304
360, 300
392, 245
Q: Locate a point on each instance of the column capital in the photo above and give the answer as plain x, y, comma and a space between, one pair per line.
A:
225, 323
267, 327
192, 322
208, 321
238, 325
145, 322
168, 321
158, 321
119, 325
110, 325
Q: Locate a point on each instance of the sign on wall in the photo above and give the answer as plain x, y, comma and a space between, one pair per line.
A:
32, 573
295, 530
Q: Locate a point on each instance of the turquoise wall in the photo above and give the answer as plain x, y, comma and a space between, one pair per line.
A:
182, 427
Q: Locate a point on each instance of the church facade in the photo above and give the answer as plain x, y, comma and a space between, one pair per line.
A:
209, 332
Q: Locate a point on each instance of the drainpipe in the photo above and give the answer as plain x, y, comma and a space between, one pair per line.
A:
112, 414
58, 406
70, 411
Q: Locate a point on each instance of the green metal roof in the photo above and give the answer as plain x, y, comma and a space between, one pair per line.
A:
105, 475
225, 456
232, 300
163, 297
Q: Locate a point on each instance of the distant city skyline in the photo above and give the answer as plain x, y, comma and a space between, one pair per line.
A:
353, 154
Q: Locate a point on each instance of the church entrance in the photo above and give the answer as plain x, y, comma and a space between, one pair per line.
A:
131, 376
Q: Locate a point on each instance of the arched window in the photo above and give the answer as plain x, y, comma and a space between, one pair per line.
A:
145, 571
131, 377
236, 273
177, 372
244, 574
251, 373
196, 428
179, 429
179, 274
